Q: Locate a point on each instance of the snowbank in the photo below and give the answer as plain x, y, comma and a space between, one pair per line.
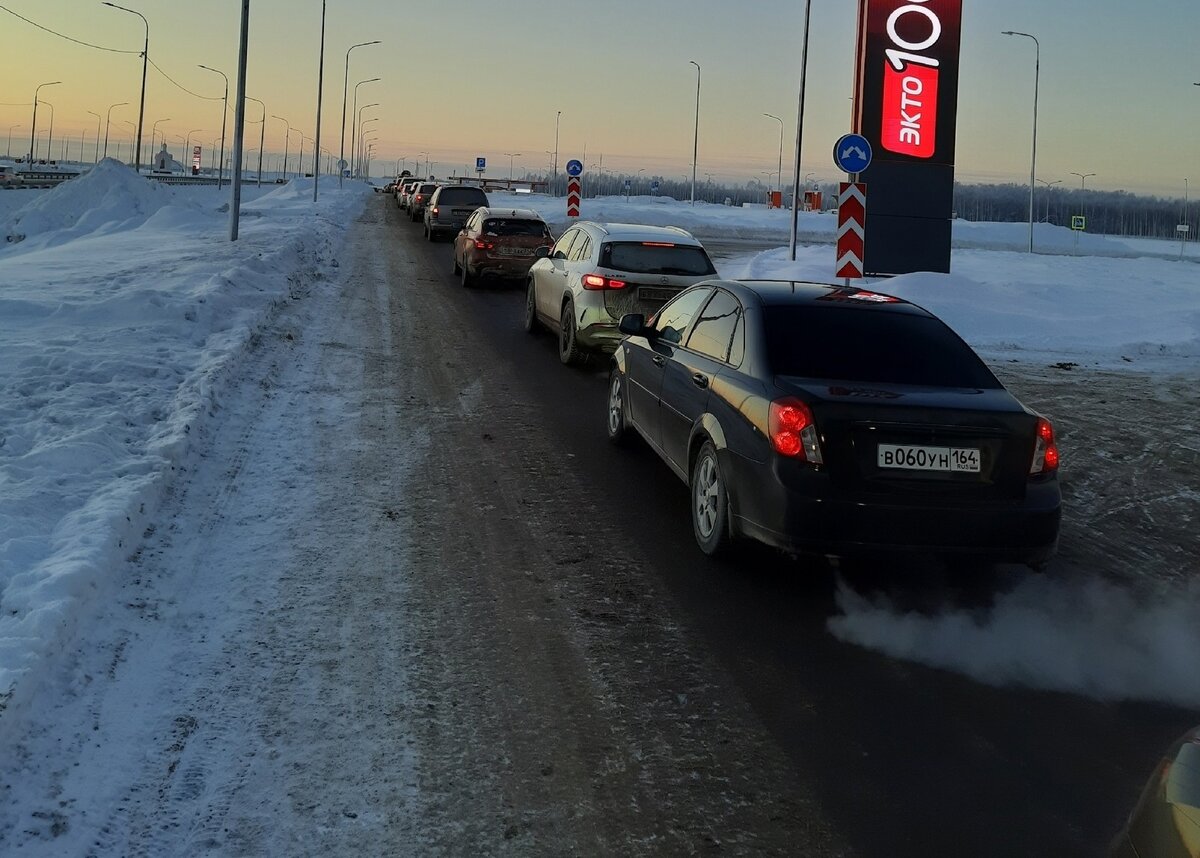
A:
119, 327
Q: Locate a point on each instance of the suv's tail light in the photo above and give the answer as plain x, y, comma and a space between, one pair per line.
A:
595, 282
793, 432
480, 244
433, 212
1045, 452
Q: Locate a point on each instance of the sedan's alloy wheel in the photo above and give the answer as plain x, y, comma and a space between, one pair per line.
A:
616, 408
710, 502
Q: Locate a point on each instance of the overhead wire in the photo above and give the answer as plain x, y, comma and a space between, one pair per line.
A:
65, 36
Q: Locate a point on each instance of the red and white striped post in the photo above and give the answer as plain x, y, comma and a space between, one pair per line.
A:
574, 195
851, 234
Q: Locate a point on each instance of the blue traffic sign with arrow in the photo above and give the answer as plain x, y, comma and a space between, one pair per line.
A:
852, 153
574, 168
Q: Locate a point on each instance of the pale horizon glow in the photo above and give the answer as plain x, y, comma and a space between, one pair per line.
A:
1117, 97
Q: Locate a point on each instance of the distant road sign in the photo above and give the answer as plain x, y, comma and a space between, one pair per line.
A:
480, 165
574, 168
654, 186
1183, 229
1078, 223
852, 153
628, 184
343, 164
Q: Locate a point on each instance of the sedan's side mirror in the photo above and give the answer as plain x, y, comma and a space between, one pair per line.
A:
633, 324
542, 252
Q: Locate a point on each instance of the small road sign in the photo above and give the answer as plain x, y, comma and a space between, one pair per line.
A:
1078, 223
574, 168
852, 153
480, 164
628, 184
851, 236
1182, 228
654, 186
574, 195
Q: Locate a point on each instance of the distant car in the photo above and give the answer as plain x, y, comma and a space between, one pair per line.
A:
499, 243
419, 198
1166, 820
449, 208
8, 176
830, 420
404, 191
596, 273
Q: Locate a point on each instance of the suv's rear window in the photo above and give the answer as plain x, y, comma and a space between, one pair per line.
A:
497, 226
426, 189
844, 344
649, 258
462, 196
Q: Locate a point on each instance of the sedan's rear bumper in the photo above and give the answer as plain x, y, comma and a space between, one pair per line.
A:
516, 267
804, 514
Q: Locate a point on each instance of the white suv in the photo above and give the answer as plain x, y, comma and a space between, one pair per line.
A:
596, 273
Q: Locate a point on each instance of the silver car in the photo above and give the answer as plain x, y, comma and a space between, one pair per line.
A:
596, 273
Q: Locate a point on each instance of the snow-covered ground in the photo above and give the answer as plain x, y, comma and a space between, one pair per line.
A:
124, 309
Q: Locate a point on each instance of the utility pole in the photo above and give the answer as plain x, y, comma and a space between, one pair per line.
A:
239, 124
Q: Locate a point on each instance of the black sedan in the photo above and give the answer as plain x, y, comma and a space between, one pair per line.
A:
834, 420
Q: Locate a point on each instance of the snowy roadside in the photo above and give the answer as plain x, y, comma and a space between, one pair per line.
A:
123, 310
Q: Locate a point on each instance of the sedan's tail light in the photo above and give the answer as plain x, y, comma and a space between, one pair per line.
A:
480, 244
1045, 452
793, 431
597, 282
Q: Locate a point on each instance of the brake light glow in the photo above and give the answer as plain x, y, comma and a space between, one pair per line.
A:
420, 197
1045, 452
433, 212
657, 244
598, 282
480, 244
793, 432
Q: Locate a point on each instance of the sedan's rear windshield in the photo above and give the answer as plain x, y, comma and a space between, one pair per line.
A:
462, 196
426, 189
500, 226
862, 344
655, 258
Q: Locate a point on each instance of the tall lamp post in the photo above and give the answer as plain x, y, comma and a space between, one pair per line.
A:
779, 183
287, 141
1037, 66
262, 135
1049, 185
800, 129
554, 175
154, 136
50, 137
108, 122
696, 138
96, 156
511, 155
345, 90
362, 140
33, 130
356, 148
224, 117
8, 149
1083, 177
357, 114
137, 158
320, 93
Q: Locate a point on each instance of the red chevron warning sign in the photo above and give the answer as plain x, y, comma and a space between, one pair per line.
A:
851, 235
574, 194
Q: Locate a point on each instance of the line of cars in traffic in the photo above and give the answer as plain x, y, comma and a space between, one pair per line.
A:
811, 417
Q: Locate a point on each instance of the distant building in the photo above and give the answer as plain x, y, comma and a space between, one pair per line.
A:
164, 163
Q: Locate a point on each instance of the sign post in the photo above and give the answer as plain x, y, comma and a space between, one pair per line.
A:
852, 154
574, 187
1078, 225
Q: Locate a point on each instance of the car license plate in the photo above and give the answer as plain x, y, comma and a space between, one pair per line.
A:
649, 293
515, 251
949, 459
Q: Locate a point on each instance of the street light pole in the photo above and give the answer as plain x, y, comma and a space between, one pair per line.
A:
287, 141
511, 155
262, 136
554, 175
358, 116
1037, 67
800, 129
33, 130
154, 135
137, 158
108, 122
356, 150
696, 138
224, 117
780, 121
320, 93
8, 149
345, 90
50, 137
96, 156
1049, 185
239, 125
